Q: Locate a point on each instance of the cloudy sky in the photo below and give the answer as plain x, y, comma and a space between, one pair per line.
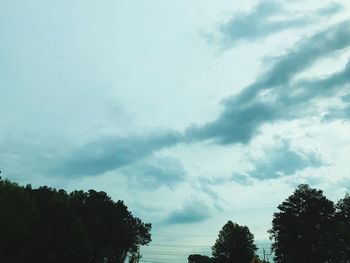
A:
192, 112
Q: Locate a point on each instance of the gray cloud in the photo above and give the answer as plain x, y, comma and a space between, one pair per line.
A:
273, 97
283, 161
346, 98
241, 178
234, 125
193, 212
204, 185
267, 18
303, 55
152, 173
317, 88
331, 9
110, 153
23, 156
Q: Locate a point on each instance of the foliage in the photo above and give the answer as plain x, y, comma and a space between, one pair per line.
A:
196, 258
234, 244
17, 217
46, 226
302, 229
341, 239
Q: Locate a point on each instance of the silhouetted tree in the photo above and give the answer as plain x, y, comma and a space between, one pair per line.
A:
112, 229
196, 258
59, 235
302, 229
134, 256
48, 226
17, 216
341, 239
234, 244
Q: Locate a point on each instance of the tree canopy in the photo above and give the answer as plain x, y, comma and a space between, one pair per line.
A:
302, 230
197, 258
341, 233
45, 225
234, 244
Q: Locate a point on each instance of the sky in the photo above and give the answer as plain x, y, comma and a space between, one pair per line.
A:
192, 112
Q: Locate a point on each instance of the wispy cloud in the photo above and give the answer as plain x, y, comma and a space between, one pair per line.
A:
331, 9
274, 96
193, 212
283, 160
152, 173
265, 19
109, 153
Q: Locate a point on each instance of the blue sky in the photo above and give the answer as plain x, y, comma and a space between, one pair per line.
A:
192, 112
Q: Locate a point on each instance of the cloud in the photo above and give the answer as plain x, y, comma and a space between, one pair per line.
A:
318, 88
274, 96
241, 178
346, 98
204, 185
265, 19
234, 125
23, 156
193, 212
331, 9
282, 161
110, 153
131, 156
155, 172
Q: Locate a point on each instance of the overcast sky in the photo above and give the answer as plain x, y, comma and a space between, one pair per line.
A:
192, 112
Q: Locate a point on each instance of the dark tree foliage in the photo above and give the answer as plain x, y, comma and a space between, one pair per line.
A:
302, 230
58, 234
235, 244
196, 258
112, 229
17, 217
48, 226
341, 239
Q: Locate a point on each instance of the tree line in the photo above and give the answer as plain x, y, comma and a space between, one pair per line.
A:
46, 225
308, 227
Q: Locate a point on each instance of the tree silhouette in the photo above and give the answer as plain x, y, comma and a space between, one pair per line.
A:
196, 258
234, 244
58, 234
48, 226
302, 229
17, 216
341, 239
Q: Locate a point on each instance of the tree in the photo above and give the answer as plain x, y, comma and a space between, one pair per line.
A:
302, 229
48, 226
17, 216
234, 244
341, 239
113, 231
196, 258
58, 234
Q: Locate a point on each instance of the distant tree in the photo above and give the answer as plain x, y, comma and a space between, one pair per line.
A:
196, 258
17, 217
302, 229
234, 244
341, 239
